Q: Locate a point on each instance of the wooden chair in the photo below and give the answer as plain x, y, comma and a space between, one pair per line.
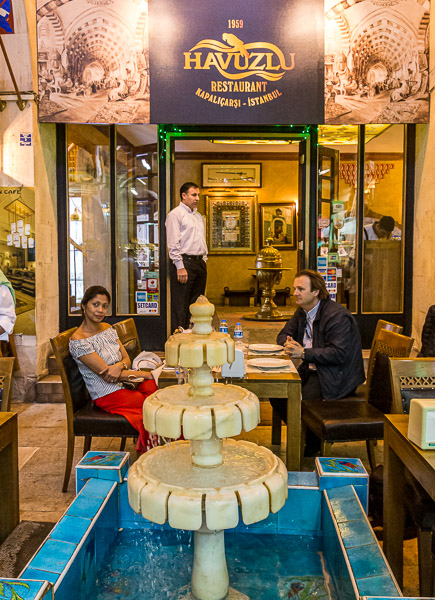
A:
415, 378
83, 417
6, 369
411, 378
351, 419
381, 324
8, 348
128, 337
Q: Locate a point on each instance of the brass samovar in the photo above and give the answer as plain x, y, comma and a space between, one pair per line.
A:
268, 268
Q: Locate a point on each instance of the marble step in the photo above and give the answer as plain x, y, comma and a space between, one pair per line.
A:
52, 365
49, 389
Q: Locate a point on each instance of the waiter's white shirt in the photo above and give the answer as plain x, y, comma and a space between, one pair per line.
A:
7, 312
370, 232
185, 233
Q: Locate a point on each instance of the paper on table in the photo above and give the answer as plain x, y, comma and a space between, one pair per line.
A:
156, 372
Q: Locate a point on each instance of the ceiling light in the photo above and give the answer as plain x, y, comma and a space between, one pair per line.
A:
258, 142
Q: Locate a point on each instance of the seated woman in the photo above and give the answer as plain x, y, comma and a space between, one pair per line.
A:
104, 365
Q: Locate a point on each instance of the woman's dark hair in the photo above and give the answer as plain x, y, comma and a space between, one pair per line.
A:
92, 292
316, 282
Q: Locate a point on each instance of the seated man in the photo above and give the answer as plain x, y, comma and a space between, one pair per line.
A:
324, 336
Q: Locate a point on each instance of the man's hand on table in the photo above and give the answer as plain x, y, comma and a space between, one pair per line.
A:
293, 349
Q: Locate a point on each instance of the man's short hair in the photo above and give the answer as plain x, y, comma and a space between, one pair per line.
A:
186, 187
386, 223
316, 282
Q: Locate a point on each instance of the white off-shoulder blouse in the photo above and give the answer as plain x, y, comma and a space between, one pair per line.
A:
105, 344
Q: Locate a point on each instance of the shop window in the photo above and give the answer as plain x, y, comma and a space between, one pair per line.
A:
137, 221
337, 212
17, 251
382, 227
89, 206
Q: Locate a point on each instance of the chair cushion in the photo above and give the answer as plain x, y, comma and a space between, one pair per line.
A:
91, 420
407, 394
343, 420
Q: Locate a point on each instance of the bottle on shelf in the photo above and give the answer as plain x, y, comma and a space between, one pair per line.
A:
223, 327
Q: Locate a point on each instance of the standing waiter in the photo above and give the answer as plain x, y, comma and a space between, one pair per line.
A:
188, 254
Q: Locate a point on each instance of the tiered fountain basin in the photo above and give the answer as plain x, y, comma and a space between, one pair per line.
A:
164, 486
325, 509
228, 410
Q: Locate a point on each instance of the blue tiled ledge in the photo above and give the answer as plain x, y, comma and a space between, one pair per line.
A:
365, 562
55, 557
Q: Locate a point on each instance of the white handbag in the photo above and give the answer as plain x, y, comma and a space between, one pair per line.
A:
146, 360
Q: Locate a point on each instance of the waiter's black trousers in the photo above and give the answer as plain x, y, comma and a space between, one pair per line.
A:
184, 294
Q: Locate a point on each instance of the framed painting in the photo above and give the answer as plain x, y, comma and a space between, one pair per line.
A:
234, 175
278, 221
231, 222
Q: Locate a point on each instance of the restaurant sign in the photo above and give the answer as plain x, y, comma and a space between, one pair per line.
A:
251, 62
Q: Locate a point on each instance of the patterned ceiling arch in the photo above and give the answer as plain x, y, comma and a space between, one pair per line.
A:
56, 25
141, 31
340, 6
100, 35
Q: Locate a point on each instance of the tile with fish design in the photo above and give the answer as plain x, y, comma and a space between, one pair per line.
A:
102, 459
338, 472
19, 589
112, 466
340, 466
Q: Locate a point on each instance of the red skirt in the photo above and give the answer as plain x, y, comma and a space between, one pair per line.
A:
128, 403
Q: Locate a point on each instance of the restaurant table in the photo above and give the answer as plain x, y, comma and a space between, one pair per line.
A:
270, 384
9, 511
399, 453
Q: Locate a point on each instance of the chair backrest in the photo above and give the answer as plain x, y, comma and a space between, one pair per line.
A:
74, 388
6, 368
387, 345
380, 325
128, 337
411, 378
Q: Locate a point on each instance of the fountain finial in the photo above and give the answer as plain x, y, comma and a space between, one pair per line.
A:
202, 313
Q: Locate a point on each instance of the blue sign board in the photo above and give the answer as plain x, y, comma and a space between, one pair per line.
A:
237, 62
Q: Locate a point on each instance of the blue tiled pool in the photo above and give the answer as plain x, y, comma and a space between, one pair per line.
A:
320, 545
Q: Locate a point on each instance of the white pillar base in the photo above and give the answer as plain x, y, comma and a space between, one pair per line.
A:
210, 574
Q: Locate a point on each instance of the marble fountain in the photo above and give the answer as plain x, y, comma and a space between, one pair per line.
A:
200, 484
129, 533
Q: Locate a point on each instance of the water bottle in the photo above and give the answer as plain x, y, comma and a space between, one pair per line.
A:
223, 327
238, 333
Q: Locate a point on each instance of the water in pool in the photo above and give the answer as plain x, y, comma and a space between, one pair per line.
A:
157, 565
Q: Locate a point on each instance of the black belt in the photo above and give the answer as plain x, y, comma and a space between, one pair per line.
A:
192, 256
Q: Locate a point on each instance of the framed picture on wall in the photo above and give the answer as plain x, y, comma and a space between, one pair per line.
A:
235, 175
278, 221
231, 222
